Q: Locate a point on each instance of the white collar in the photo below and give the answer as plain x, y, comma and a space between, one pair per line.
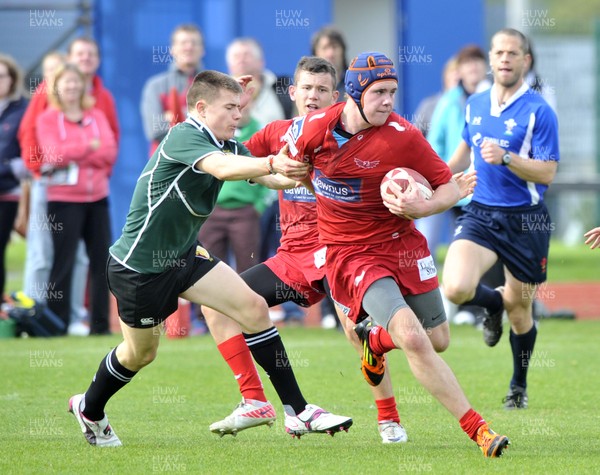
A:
495, 108
202, 126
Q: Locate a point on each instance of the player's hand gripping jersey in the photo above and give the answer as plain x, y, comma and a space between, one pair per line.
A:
300, 258
297, 206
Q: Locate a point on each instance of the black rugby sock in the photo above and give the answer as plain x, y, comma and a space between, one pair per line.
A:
110, 377
486, 297
269, 352
522, 349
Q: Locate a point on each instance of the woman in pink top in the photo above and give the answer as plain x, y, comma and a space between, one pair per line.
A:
79, 150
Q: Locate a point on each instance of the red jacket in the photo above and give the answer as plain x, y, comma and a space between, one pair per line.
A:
39, 103
63, 142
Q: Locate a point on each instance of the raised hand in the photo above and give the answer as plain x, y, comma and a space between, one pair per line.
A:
593, 238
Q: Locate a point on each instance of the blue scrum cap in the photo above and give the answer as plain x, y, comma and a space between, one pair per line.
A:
366, 69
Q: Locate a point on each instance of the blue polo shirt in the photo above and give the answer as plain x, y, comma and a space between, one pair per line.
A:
525, 125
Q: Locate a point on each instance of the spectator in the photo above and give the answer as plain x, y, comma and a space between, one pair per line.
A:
163, 95
12, 170
79, 150
444, 135
424, 111
537, 84
329, 43
83, 52
245, 56
447, 123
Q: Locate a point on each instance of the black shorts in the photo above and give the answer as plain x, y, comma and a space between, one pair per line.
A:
146, 300
519, 236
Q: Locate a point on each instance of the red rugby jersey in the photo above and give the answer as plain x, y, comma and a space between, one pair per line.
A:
297, 207
347, 178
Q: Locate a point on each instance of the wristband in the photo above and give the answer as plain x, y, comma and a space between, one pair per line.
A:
270, 159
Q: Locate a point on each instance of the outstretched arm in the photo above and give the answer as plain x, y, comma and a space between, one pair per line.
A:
239, 167
275, 182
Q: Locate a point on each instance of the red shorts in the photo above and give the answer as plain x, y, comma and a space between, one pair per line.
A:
351, 269
302, 269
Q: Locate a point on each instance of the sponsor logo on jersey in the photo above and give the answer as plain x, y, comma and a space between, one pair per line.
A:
346, 190
367, 164
478, 140
299, 195
500, 142
476, 120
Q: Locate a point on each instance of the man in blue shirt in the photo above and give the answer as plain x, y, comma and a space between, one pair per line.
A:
511, 133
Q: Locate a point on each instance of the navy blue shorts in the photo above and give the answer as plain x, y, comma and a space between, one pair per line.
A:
146, 300
519, 236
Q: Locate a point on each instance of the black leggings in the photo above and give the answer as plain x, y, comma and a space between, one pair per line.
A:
265, 283
90, 222
8, 212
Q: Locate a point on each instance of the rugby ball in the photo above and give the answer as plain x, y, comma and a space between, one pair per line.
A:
399, 175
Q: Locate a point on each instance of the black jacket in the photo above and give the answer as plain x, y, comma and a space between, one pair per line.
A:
9, 145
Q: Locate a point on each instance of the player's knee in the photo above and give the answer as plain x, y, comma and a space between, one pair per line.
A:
255, 313
147, 357
136, 360
439, 337
440, 344
456, 293
415, 342
520, 318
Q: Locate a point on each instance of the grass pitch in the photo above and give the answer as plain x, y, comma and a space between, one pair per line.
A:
162, 417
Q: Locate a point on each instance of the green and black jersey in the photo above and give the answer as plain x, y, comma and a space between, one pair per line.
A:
172, 199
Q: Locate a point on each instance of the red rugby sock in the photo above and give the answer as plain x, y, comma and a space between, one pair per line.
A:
237, 355
470, 422
380, 341
387, 410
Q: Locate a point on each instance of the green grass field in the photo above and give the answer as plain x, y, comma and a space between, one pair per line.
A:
162, 417
566, 264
